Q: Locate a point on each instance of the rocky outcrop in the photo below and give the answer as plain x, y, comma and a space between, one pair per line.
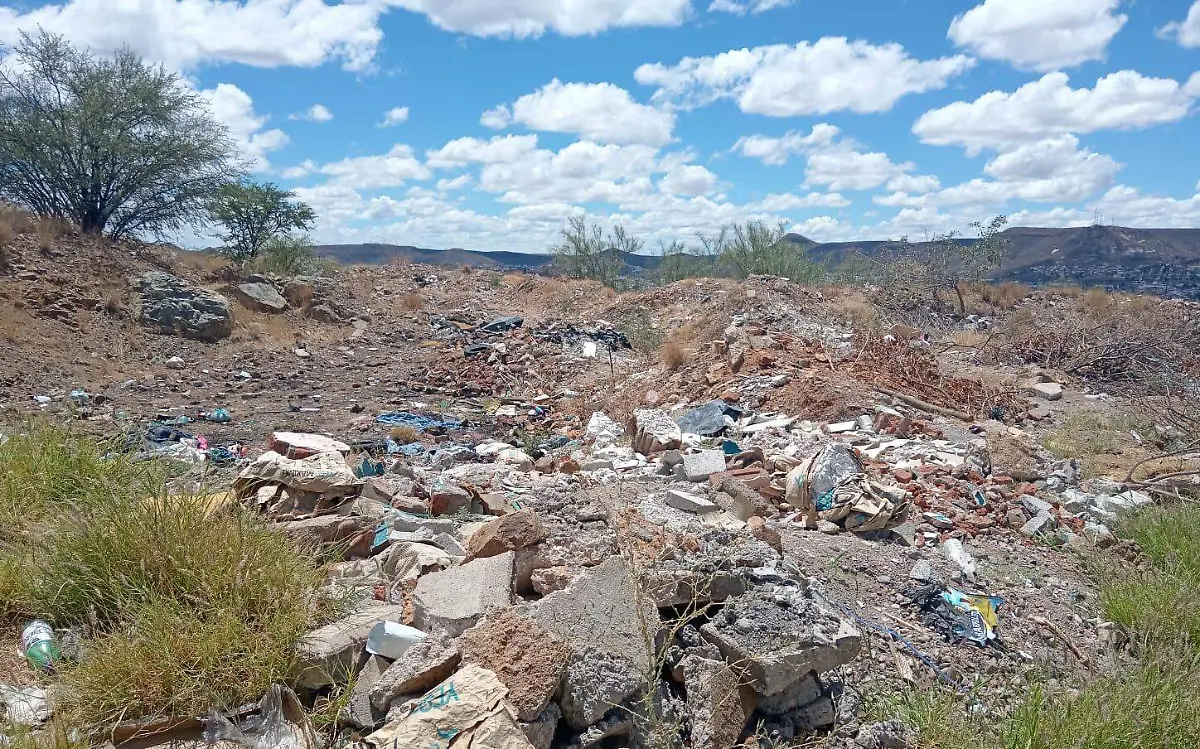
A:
174, 306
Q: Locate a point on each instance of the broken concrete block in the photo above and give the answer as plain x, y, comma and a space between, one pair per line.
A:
801, 693
718, 704
448, 544
616, 722
593, 682
602, 608
422, 666
408, 523
526, 659
1040, 523
351, 534
817, 714
678, 587
1034, 505
508, 533
699, 466
654, 431
549, 579
385, 488
329, 654
540, 732
448, 499
454, 600
690, 502
360, 713
776, 639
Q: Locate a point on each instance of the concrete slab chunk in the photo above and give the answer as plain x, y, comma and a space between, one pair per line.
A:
594, 681
690, 502
513, 531
699, 466
526, 659
454, 600
600, 608
329, 654
777, 642
422, 667
719, 706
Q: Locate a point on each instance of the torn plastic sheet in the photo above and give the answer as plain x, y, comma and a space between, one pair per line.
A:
416, 421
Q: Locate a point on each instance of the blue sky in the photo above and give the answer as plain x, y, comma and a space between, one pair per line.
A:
485, 123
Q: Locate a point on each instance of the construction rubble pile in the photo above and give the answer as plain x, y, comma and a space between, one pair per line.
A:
627, 583
523, 576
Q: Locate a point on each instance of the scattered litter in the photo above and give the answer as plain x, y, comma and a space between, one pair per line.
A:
416, 422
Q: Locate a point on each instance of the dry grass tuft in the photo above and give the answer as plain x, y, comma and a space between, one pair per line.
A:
465, 269
969, 338
403, 435
1006, 295
412, 301
7, 231
1098, 303
514, 278
672, 355
857, 310
113, 305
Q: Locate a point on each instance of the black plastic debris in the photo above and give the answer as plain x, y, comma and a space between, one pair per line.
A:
501, 324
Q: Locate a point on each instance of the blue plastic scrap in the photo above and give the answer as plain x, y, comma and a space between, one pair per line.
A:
416, 421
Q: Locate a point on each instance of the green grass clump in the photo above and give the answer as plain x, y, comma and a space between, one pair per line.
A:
1158, 603
939, 717
187, 605
121, 554
48, 468
1150, 707
172, 660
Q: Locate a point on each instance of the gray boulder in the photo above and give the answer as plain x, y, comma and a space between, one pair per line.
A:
260, 297
174, 306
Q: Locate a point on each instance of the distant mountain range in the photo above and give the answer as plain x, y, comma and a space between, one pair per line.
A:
1161, 261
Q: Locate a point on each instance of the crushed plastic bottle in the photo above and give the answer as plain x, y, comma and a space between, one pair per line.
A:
954, 551
39, 646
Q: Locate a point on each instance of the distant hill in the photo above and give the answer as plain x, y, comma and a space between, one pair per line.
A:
1162, 261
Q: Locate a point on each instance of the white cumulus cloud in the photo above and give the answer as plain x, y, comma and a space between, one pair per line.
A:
392, 169
1124, 100
1039, 35
1187, 31
688, 179
742, 7
235, 108
395, 116
315, 113
776, 151
1048, 171
781, 80
501, 149
596, 111
186, 33
532, 18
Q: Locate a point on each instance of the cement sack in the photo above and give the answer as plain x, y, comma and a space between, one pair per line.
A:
469, 710
285, 487
831, 485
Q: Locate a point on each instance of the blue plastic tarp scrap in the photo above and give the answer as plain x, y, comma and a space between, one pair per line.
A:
416, 421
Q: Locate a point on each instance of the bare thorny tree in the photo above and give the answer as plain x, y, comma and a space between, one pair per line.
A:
114, 144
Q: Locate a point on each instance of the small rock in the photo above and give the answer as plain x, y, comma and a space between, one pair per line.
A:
513, 531
924, 572
1050, 391
829, 528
